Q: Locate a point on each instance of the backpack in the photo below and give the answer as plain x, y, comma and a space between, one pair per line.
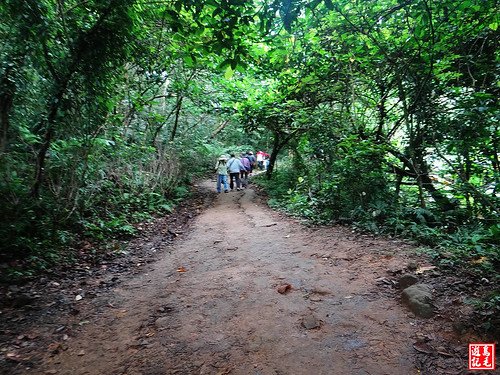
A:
249, 167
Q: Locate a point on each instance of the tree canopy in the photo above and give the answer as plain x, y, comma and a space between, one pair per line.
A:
384, 113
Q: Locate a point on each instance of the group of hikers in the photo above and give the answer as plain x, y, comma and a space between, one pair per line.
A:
238, 169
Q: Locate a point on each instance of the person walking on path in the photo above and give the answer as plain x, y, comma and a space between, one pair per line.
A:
260, 160
234, 167
252, 159
244, 172
221, 169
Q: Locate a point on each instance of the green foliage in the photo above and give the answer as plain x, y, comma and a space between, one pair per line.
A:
472, 247
81, 111
384, 115
487, 313
348, 186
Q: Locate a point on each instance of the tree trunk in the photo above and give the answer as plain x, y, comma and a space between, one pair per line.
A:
274, 154
48, 127
160, 127
219, 129
399, 180
420, 185
382, 112
441, 200
426, 182
495, 162
177, 113
7, 88
61, 82
7, 92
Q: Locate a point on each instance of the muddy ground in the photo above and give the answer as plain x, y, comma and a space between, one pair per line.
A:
229, 286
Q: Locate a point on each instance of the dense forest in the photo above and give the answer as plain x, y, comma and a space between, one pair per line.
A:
382, 114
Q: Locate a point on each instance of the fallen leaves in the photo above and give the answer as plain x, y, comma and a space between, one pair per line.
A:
121, 313
14, 357
420, 270
441, 350
224, 371
269, 225
55, 348
479, 260
181, 269
423, 347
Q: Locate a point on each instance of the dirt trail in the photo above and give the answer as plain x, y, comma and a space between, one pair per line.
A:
224, 315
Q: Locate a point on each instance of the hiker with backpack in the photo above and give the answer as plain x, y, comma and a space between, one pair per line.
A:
234, 167
246, 169
252, 159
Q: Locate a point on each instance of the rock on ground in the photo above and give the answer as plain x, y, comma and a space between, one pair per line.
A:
418, 298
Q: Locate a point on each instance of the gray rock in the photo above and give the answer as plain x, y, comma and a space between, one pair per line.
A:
412, 266
418, 298
310, 322
407, 280
163, 322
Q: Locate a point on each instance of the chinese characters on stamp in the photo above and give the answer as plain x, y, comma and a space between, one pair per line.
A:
481, 356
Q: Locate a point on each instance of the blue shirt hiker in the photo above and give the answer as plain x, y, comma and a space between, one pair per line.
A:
234, 167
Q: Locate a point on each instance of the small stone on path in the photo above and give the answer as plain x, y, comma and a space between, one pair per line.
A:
418, 297
310, 322
407, 280
285, 288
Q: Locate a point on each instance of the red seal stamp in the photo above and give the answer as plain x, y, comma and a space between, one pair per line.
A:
481, 356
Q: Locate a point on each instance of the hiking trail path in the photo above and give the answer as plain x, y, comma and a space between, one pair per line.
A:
211, 304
